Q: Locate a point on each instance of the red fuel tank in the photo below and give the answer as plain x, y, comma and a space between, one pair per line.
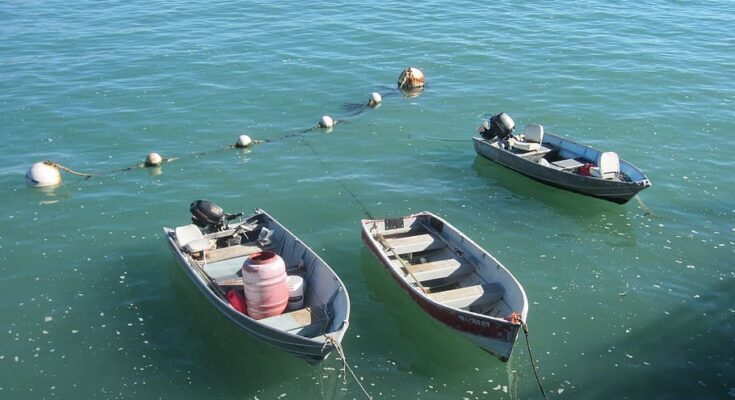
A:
264, 281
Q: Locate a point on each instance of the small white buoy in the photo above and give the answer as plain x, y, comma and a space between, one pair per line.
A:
42, 174
153, 160
326, 122
411, 78
375, 99
243, 141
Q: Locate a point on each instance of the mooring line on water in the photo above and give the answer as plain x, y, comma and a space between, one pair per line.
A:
410, 83
362, 107
346, 366
293, 134
533, 363
67, 169
445, 140
648, 211
87, 175
344, 186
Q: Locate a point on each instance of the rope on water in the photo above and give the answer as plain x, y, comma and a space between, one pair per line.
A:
69, 170
357, 109
297, 133
87, 175
648, 211
446, 140
533, 363
344, 186
346, 365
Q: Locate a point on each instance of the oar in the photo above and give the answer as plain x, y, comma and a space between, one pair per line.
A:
385, 244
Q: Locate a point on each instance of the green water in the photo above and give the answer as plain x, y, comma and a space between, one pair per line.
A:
622, 304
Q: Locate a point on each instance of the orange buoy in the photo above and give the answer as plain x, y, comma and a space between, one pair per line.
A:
411, 78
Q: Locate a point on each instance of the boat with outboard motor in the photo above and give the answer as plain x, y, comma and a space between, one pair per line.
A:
558, 161
451, 278
212, 251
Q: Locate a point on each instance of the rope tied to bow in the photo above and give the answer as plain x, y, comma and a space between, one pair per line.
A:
345, 365
517, 317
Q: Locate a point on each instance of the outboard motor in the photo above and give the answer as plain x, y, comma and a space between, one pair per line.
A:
500, 126
205, 214
210, 216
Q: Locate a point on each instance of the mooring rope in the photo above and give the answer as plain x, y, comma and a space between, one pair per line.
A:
354, 109
533, 363
87, 175
648, 211
69, 170
445, 140
344, 186
346, 366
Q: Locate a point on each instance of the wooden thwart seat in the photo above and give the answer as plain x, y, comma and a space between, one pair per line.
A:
439, 269
304, 322
229, 282
226, 253
397, 231
470, 295
412, 244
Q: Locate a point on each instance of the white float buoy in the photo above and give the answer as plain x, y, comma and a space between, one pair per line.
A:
411, 78
326, 122
153, 160
243, 141
375, 99
42, 174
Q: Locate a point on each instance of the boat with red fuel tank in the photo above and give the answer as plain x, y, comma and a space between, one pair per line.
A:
244, 265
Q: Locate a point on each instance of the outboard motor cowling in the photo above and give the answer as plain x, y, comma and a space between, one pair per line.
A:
500, 126
205, 213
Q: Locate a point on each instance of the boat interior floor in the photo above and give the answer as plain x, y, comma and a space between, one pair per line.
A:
445, 275
307, 322
538, 153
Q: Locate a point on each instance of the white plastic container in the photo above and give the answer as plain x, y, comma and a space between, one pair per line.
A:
295, 292
264, 281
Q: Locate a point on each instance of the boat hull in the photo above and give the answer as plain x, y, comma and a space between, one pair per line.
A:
311, 350
494, 335
611, 190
